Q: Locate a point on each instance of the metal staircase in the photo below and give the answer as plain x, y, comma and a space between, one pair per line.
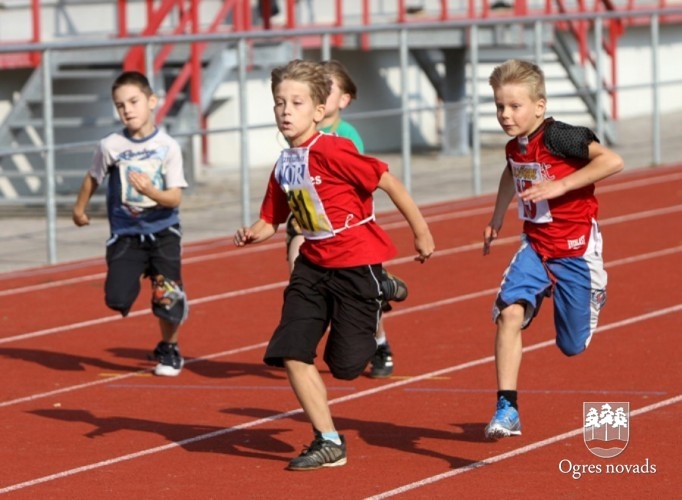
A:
502, 42
187, 78
83, 113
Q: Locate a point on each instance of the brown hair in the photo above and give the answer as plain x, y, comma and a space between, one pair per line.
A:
309, 72
338, 71
133, 78
515, 71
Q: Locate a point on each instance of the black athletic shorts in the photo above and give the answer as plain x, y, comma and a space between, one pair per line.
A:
132, 257
347, 300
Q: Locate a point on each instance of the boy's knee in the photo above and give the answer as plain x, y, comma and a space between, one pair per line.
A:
346, 371
571, 348
169, 301
118, 304
343, 373
512, 314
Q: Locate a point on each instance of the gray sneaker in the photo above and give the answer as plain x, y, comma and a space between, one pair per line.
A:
320, 453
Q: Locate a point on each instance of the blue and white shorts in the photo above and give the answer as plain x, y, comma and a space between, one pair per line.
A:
577, 286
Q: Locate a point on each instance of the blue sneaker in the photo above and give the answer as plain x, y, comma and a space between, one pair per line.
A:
505, 422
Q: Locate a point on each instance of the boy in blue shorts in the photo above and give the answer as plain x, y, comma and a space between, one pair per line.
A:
551, 168
146, 179
328, 186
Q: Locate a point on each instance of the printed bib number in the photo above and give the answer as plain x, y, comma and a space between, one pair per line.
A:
525, 175
529, 208
303, 209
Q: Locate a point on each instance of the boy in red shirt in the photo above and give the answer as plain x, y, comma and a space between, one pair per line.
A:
328, 186
551, 168
342, 92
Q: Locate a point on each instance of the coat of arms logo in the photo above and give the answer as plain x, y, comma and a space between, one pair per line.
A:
607, 428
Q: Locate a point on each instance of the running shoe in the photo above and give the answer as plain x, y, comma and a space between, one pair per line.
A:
382, 362
392, 289
320, 453
505, 422
169, 358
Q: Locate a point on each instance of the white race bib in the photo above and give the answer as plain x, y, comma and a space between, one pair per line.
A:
525, 175
152, 168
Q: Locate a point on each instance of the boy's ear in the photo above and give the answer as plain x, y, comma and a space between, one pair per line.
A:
153, 101
320, 110
344, 101
540, 108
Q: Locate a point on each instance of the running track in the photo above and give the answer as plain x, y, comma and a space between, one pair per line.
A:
81, 416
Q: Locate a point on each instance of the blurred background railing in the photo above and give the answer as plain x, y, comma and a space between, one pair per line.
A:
421, 67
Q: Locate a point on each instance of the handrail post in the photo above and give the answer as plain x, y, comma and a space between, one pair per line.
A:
475, 134
405, 104
656, 100
35, 21
195, 79
50, 188
122, 19
244, 134
599, 57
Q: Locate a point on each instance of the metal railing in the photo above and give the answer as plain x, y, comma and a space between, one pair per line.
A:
474, 101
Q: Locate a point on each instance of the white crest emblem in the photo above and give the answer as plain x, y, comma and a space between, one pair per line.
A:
606, 431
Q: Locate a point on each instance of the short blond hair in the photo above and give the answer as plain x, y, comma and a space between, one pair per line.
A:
516, 71
311, 73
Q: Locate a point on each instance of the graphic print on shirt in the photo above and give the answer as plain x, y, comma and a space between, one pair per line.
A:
525, 175
293, 176
150, 166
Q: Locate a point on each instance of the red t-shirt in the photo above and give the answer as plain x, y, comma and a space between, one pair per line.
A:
344, 180
560, 149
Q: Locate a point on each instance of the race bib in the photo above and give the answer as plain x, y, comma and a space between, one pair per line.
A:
294, 178
525, 175
152, 168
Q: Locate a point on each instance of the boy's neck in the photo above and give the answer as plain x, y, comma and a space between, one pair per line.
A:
524, 138
141, 133
331, 123
300, 141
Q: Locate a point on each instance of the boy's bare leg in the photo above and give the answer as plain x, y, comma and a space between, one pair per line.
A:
294, 247
508, 347
169, 331
311, 392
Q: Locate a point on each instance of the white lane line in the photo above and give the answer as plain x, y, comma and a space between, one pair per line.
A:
511, 454
391, 225
124, 376
282, 284
350, 397
134, 314
401, 260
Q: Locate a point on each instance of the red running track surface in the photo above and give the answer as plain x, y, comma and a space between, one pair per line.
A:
82, 417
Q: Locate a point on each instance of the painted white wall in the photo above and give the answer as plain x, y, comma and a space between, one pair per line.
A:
377, 75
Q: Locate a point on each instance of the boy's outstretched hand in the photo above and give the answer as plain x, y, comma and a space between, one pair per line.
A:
425, 246
243, 236
489, 234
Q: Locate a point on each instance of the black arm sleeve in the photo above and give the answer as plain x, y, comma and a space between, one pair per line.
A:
568, 141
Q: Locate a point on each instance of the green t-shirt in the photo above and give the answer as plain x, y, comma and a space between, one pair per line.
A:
345, 129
